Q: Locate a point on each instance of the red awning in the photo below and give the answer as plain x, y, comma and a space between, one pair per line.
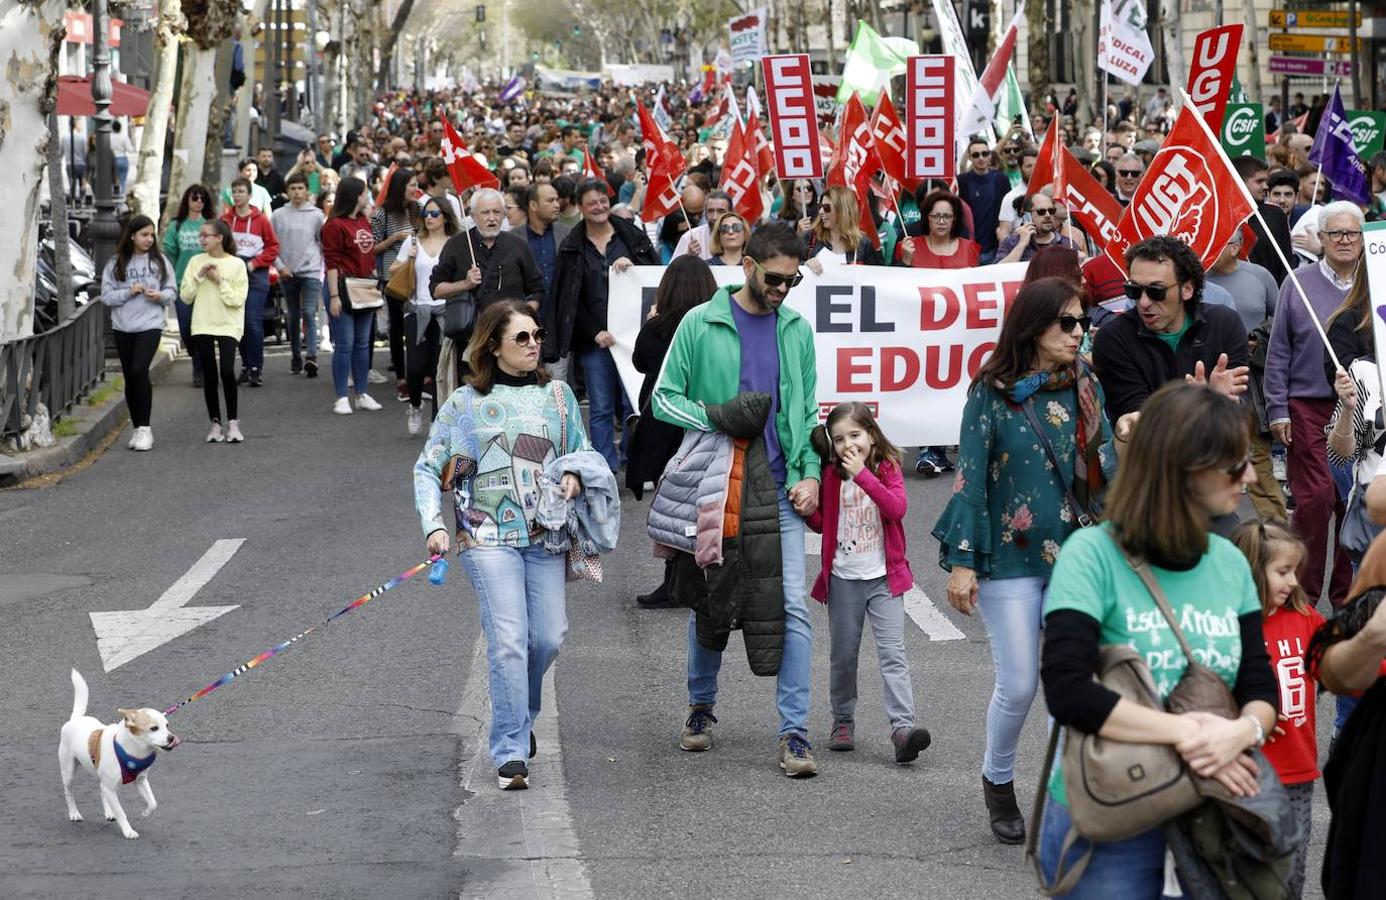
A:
74, 98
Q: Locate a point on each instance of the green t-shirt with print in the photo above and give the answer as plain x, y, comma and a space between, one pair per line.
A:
1173, 338
1092, 577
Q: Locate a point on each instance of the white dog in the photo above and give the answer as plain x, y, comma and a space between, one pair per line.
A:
118, 754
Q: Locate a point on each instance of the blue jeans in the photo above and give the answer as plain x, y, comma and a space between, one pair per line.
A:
301, 294
184, 312
1133, 868
606, 398
253, 342
792, 683
1012, 610
351, 345
520, 595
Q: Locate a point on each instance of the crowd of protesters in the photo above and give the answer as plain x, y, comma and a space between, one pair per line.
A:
1142, 399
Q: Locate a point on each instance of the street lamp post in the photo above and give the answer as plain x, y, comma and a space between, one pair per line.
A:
105, 230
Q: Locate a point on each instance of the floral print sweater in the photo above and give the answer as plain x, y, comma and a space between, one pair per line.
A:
1007, 516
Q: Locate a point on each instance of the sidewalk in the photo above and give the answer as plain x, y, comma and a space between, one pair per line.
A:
88, 424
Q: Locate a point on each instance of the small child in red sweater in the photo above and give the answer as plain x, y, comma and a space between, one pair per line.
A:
1275, 553
861, 511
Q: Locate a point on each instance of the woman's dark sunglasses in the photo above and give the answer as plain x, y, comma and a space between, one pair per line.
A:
731, 228
1068, 323
774, 279
1236, 470
524, 338
432, 213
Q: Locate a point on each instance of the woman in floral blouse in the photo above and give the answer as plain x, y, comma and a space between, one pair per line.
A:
1001, 531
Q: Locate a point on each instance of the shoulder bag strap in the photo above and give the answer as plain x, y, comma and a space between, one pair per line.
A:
1065, 880
558, 398
1084, 519
1147, 577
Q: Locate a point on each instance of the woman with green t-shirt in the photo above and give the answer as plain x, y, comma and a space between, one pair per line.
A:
181, 244
1188, 461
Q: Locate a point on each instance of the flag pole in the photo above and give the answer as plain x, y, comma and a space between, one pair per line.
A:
1314, 197
1256, 211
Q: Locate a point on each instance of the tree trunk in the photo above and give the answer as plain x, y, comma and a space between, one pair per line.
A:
144, 192
29, 34
217, 117
190, 138
1174, 45
245, 97
384, 79
1084, 50
1037, 34
57, 207
1253, 84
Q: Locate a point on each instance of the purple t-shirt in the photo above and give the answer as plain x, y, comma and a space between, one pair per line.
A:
760, 372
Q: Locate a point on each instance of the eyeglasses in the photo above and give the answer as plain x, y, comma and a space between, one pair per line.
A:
1130, 173
731, 228
775, 279
826, 208
525, 338
1042, 212
432, 213
206, 236
1156, 292
1237, 470
1346, 237
941, 217
980, 154
1067, 323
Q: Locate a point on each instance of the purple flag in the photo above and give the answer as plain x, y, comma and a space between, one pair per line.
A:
513, 88
1332, 152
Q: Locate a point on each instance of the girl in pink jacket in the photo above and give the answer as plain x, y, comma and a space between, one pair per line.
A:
861, 512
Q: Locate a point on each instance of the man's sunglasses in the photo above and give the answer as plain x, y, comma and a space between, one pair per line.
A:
1156, 292
1130, 173
1068, 323
774, 279
524, 338
980, 154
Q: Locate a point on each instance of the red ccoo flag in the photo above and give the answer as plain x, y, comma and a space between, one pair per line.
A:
740, 175
665, 165
464, 168
765, 157
888, 134
1190, 192
854, 162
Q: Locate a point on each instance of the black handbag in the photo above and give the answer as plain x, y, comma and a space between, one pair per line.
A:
459, 315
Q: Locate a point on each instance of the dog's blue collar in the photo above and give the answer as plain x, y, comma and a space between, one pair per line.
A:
131, 766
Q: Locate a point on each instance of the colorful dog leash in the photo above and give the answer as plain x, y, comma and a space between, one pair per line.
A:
439, 566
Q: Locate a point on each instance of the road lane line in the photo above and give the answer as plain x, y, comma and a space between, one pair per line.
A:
918, 606
196, 578
524, 842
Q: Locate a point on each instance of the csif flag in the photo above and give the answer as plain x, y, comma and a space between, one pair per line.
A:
1190, 192
1332, 151
465, 169
854, 161
664, 166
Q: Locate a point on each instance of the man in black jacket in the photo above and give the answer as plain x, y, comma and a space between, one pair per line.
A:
596, 245
491, 263
1170, 333
1254, 174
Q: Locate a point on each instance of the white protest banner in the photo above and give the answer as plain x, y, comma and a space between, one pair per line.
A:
1123, 44
748, 36
904, 341
793, 119
929, 119
1374, 241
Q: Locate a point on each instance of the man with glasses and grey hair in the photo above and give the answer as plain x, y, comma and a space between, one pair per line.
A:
1129, 171
491, 263
1299, 400
698, 239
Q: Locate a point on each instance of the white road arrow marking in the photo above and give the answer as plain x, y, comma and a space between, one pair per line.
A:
123, 635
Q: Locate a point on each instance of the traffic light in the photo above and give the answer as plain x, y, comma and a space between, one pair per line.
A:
481, 12
577, 31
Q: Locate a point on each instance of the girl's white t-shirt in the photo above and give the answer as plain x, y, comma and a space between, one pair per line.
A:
860, 552
423, 271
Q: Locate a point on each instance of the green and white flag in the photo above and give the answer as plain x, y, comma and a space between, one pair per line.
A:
871, 61
1011, 106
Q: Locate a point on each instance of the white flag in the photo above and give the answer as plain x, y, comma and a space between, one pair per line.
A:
1123, 44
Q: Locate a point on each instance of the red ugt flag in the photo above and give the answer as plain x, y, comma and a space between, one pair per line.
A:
1190, 192
466, 170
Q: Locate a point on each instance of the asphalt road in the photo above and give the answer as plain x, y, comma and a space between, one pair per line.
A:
354, 764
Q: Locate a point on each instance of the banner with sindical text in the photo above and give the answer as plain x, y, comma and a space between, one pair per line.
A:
904, 341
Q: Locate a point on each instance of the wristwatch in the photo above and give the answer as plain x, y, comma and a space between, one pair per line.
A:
1260, 731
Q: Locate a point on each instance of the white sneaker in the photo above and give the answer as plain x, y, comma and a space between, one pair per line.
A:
233, 432
415, 420
342, 407
374, 377
215, 436
134, 438
367, 402
144, 438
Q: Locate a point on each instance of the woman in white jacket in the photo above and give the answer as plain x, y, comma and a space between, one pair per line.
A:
138, 285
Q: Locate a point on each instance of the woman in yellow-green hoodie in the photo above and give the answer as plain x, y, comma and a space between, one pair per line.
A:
215, 285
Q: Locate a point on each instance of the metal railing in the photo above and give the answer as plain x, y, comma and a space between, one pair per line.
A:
55, 368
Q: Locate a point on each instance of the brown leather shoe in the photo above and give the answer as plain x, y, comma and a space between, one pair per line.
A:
1006, 821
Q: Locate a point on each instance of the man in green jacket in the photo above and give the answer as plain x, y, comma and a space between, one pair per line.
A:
744, 339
